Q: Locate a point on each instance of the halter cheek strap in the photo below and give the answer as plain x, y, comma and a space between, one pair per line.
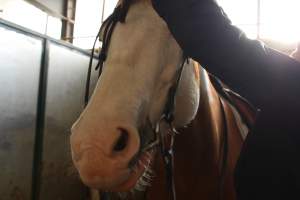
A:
118, 15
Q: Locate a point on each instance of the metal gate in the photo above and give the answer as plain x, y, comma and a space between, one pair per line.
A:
42, 84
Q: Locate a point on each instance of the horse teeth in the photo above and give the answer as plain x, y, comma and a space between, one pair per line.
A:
139, 187
147, 172
148, 161
143, 183
157, 128
148, 176
150, 171
141, 163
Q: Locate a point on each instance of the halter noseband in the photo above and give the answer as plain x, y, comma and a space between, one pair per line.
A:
164, 141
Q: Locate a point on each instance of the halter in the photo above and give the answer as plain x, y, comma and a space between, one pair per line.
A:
164, 141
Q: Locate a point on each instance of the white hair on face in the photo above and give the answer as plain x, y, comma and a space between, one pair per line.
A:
142, 63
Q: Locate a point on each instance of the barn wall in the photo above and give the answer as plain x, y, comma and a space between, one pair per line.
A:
20, 58
42, 83
64, 103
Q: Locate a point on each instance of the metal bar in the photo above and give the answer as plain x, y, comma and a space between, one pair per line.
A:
103, 8
40, 122
68, 28
258, 18
39, 35
50, 11
47, 22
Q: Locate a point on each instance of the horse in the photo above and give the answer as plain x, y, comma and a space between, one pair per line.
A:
113, 142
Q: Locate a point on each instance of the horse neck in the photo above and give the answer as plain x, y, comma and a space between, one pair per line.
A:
206, 130
198, 153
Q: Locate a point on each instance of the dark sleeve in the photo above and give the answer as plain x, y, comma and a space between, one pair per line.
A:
206, 34
269, 163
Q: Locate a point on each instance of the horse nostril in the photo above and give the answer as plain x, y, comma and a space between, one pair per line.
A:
122, 140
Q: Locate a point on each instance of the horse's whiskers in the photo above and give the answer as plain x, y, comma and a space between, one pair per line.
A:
144, 182
148, 175
148, 161
150, 171
142, 164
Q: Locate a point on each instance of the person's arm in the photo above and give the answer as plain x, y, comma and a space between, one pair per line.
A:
205, 33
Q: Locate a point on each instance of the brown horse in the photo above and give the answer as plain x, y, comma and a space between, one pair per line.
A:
109, 137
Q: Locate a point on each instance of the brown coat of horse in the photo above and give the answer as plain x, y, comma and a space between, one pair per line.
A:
199, 152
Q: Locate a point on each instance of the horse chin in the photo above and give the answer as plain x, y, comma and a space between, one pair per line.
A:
138, 177
140, 174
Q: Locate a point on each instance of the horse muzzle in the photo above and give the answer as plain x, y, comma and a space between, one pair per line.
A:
103, 157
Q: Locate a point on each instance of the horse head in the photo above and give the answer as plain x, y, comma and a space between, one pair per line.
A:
142, 64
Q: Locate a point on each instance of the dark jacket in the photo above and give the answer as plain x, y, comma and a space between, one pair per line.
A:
269, 165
